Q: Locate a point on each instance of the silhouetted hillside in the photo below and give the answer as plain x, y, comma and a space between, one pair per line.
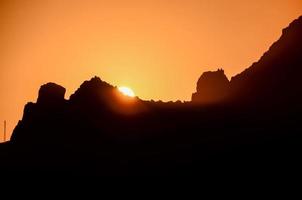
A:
274, 80
276, 77
252, 123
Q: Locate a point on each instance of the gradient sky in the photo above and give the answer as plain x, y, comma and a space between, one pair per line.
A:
159, 48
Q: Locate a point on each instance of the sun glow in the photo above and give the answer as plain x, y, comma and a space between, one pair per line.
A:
126, 91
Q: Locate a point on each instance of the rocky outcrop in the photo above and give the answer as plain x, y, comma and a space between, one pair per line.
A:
50, 103
51, 94
94, 91
212, 87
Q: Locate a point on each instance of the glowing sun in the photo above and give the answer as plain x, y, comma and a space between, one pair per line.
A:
126, 91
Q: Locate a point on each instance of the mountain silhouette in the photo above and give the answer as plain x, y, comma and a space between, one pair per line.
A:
276, 77
250, 122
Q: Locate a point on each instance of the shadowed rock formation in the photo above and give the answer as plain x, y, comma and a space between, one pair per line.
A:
212, 88
51, 94
94, 91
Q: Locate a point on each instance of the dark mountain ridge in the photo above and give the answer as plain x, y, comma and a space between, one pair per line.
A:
274, 79
251, 121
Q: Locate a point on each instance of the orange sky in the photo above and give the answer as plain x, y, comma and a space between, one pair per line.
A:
159, 48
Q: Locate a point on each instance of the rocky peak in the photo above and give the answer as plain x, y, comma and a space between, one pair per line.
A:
94, 90
212, 87
51, 94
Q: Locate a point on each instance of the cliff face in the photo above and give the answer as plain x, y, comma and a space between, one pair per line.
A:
212, 87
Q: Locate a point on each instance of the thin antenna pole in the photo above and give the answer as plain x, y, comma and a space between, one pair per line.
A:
4, 136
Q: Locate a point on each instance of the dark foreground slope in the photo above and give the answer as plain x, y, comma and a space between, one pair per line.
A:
256, 126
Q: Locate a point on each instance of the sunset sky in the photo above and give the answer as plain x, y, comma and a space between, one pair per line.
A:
159, 48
